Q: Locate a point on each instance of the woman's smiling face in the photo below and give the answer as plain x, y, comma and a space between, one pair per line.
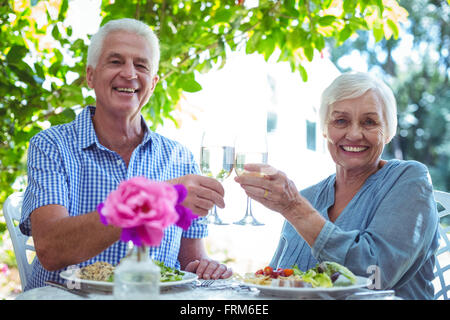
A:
356, 132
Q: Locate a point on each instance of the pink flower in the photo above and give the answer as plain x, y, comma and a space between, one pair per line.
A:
143, 209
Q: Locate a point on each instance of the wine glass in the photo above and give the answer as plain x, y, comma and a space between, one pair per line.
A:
250, 148
216, 161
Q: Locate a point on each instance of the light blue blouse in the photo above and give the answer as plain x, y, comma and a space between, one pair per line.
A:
388, 232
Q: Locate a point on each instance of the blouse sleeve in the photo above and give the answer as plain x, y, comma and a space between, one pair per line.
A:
396, 242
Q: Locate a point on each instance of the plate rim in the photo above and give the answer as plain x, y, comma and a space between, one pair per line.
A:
361, 283
69, 274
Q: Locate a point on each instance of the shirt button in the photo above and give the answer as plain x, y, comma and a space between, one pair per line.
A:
119, 162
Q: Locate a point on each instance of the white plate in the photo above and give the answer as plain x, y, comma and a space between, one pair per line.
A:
70, 275
361, 282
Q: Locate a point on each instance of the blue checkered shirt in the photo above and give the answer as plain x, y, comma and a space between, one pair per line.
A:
68, 166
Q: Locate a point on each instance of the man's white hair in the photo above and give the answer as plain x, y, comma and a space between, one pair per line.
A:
353, 85
129, 25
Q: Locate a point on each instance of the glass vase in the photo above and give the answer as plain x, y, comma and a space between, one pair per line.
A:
137, 277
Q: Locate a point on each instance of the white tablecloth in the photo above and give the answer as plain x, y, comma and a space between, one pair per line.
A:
184, 292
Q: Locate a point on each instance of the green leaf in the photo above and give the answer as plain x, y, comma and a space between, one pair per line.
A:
24, 72
345, 33
55, 32
303, 73
187, 83
279, 37
309, 53
252, 43
327, 3
380, 7
63, 10
266, 47
350, 5
393, 27
319, 43
223, 15
289, 7
296, 38
326, 20
16, 54
378, 32
39, 70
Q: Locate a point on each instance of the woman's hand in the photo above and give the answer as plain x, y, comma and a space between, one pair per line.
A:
273, 189
270, 187
209, 269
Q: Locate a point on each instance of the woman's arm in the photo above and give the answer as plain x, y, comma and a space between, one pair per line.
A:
277, 192
396, 241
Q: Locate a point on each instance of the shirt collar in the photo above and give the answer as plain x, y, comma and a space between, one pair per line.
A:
86, 132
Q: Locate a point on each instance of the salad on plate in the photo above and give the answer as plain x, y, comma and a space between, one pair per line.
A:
104, 271
326, 274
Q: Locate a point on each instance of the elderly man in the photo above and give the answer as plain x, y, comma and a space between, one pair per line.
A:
73, 167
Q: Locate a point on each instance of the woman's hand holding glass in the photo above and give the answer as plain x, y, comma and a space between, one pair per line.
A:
273, 189
270, 187
250, 148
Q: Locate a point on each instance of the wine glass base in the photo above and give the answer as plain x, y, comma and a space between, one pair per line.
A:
211, 219
248, 220
216, 220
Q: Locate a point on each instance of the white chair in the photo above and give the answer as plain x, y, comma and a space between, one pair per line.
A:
12, 210
442, 270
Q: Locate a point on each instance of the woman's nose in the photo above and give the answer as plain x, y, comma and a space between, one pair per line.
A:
354, 132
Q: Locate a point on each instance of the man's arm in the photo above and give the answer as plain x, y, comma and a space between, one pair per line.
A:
193, 258
61, 240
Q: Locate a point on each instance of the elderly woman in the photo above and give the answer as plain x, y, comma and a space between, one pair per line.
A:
376, 217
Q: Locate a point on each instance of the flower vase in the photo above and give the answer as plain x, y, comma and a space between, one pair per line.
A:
137, 277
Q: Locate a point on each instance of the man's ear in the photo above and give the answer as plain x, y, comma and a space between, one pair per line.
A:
154, 82
90, 76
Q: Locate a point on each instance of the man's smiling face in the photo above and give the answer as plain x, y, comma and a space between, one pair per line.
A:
123, 80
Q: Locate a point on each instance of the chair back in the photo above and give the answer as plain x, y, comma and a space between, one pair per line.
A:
442, 269
12, 210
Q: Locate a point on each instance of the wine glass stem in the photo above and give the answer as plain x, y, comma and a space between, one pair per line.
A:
248, 212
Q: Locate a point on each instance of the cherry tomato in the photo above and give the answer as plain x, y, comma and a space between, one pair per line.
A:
268, 271
275, 274
288, 272
260, 271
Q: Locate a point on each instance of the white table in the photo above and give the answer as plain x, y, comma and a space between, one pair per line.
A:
184, 292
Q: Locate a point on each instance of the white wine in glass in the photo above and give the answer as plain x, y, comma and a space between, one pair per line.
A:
216, 161
250, 149
243, 158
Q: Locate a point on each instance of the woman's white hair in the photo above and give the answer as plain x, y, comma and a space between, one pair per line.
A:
128, 25
353, 85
